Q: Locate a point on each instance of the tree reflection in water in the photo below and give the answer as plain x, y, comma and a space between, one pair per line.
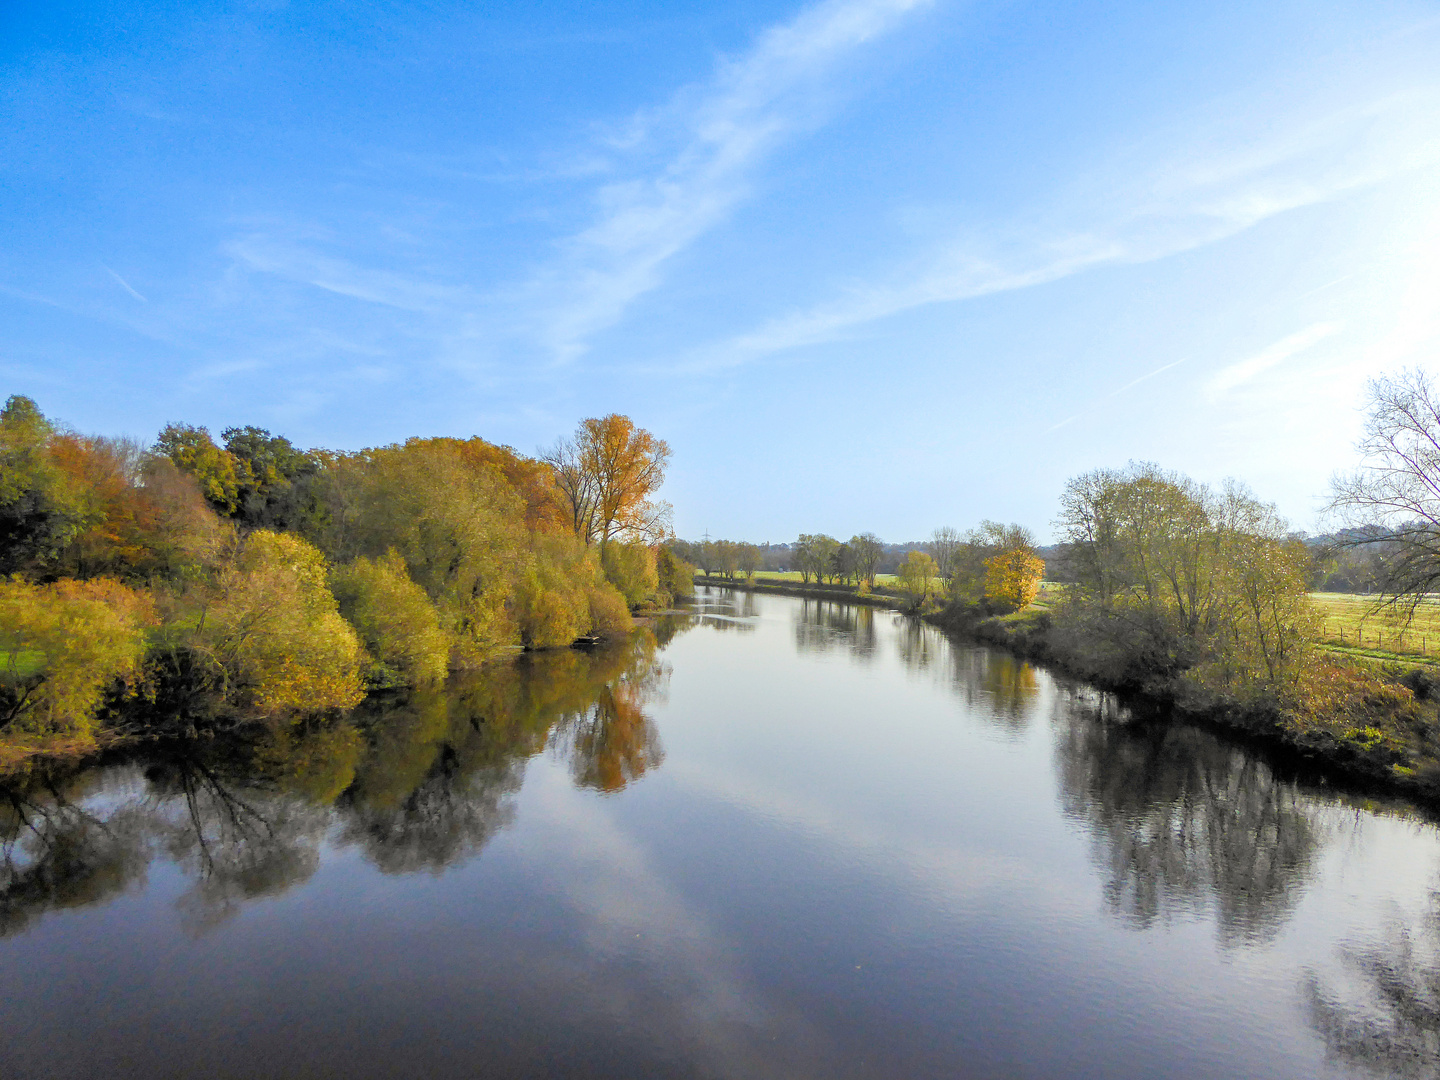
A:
55, 855
417, 781
996, 685
1182, 822
1389, 1021
725, 609
823, 626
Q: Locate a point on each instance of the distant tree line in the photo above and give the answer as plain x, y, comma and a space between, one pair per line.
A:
252, 577
995, 564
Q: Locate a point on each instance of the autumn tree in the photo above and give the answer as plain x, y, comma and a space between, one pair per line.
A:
1177, 576
41, 509
395, 619
273, 635
142, 519
676, 576
969, 576
1012, 577
606, 475
216, 470
814, 555
916, 576
63, 646
750, 560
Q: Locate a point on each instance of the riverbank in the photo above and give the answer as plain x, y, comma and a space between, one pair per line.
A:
880, 597
1373, 730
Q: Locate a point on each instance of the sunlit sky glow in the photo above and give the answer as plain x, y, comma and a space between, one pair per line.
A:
866, 264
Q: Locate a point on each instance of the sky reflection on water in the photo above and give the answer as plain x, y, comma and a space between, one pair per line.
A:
784, 838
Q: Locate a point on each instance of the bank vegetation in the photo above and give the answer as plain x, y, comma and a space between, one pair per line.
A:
196, 582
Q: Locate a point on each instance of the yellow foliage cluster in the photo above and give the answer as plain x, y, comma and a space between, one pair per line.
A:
1012, 578
276, 632
64, 646
394, 618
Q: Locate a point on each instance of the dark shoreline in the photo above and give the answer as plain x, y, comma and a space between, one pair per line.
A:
1315, 757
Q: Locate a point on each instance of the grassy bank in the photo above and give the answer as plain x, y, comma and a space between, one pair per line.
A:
1373, 726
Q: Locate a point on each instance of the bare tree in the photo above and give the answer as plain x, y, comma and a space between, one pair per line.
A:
866, 550
1394, 497
943, 544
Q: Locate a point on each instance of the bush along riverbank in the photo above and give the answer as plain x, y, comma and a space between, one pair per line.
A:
1376, 729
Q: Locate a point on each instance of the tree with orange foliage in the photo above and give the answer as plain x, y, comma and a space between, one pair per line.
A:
606, 475
1012, 578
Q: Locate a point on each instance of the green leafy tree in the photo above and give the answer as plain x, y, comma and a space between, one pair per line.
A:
272, 478
41, 511
220, 475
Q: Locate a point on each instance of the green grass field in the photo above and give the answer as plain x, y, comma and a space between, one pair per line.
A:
794, 575
1356, 626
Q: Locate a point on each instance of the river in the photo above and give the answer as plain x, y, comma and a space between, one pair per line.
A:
780, 838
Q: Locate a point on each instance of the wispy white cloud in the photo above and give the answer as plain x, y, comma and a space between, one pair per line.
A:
124, 284
1243, 371
720, 133
670, 174
297, 262
1179, 202
1147, 376
1120, 390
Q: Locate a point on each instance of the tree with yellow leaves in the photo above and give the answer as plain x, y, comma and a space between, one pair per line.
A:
916, 576
63, 646
606, 475
1012, 578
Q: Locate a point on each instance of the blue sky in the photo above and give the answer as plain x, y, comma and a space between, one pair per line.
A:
866, 264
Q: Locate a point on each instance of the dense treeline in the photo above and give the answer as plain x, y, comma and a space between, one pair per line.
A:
248, 577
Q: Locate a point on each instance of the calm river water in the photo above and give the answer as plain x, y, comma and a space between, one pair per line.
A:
782, 838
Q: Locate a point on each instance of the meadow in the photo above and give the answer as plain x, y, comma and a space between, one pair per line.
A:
1362, 626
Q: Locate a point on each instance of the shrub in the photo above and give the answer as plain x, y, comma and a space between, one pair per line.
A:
64, 645
609, 616
275, 633
631, 569
676, 577
394, 619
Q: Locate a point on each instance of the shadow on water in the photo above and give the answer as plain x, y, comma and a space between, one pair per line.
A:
418, 781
